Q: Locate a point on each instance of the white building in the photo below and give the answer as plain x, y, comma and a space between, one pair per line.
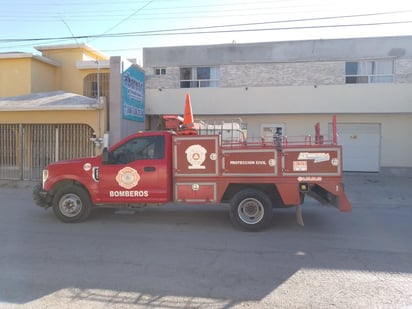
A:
366, 82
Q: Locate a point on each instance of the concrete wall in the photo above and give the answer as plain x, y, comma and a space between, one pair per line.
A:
396, 150
277, 74
300, 107
354, 98
262, 75
293, 51
403, 69
283, 74
118, 127
295, 84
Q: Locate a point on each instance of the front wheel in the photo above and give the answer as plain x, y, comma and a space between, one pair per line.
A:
71, 204
251, 210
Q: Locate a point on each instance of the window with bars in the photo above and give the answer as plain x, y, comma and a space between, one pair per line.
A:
96, 85
369, 71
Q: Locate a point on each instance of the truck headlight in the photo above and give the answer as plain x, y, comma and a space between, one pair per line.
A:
45, 176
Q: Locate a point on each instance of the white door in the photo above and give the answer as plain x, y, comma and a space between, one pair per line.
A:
361, 146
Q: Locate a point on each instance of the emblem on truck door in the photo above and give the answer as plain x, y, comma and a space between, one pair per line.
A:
196, 155
127, 178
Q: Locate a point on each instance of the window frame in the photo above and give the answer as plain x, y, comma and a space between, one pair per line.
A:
160, 71
369, 74
195, 80
139, 148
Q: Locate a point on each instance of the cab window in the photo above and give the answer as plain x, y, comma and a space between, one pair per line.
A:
140, 148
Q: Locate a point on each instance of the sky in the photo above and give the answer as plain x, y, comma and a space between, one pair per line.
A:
124, 27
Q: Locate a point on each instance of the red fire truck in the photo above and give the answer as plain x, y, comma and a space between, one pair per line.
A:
199, 163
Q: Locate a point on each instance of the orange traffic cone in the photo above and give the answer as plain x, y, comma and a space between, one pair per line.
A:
188, 122
188, 116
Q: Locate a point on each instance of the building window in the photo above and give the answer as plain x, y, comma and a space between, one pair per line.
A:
199, 77
369, 71
96, 85
160, 71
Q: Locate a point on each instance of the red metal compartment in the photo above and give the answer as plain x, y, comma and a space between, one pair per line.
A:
195, 192
249, 162
195, 155
322, 161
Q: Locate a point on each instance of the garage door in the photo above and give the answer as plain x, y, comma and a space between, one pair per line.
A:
361, 146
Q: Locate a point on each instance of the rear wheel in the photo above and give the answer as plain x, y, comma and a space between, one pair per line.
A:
251, 210
71, 204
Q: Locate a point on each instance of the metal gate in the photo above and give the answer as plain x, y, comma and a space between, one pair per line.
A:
25, 149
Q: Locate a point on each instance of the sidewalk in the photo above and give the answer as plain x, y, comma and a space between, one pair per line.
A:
378, 189
18, 184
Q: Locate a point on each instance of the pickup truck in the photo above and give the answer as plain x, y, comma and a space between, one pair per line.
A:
172, 166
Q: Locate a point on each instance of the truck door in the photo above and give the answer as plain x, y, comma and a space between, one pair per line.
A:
137, 172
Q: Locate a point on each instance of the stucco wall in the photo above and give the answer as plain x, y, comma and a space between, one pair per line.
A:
69, 76
89, 117
44, 77
15, 76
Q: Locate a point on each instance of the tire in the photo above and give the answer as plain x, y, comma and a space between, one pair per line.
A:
71, 204
251, 210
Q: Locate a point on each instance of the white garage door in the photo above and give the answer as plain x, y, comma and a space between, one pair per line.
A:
361, 146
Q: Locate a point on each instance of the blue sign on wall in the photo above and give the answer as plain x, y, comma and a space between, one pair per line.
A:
133, 105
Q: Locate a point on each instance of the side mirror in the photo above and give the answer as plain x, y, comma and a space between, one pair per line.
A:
105, 156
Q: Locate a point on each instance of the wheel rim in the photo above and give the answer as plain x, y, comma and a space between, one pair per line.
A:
70, 205
251, 211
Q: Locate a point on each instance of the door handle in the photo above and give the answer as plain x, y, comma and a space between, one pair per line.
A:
149, 169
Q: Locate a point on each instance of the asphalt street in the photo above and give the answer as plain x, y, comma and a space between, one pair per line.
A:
192, 257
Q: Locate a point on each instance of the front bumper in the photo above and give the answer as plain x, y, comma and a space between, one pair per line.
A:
41, 197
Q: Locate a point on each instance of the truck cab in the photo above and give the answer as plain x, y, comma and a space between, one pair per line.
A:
136, 170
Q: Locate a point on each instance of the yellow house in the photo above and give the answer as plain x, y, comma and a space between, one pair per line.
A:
71, 68
51, 107
24, 73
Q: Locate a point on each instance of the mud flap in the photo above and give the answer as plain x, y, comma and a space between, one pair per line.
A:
343, 203
299, 218
332, 193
